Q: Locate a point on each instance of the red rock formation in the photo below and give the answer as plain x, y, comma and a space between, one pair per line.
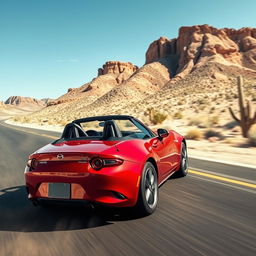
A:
198, 45
160, 48
116, 67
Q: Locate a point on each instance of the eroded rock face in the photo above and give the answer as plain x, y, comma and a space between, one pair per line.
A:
197, 45
116, 67
160, 48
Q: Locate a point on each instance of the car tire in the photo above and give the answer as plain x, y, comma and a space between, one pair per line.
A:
148, 191
183, 171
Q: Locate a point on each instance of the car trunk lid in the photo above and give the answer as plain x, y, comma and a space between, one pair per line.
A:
71, 156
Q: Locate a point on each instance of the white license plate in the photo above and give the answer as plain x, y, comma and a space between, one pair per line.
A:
59, 190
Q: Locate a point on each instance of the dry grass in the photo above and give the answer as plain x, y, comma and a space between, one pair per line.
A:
156, 117
22, 119
213, 120
204, 121
194, 134
178, 115
16, 118
197, 120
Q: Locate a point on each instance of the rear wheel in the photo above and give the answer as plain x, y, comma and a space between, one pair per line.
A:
148, 193
183, 171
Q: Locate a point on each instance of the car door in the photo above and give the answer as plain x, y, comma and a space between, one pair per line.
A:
166, 152
176, 148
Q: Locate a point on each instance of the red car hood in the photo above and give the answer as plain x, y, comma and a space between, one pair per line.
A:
80, 146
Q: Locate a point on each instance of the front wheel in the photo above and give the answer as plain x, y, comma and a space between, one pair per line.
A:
148, 193
183, 171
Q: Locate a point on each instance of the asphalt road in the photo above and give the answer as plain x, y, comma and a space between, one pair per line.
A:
197, 215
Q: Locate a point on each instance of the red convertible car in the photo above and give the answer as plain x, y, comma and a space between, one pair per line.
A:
113, 160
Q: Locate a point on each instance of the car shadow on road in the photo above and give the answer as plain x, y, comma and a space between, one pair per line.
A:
18, 214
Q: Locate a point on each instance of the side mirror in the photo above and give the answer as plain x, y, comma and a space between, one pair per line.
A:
162, 133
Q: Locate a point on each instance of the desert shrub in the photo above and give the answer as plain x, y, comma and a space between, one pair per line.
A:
213, 120
252, 135
178, 115
212, 133
197, 110
202, 101
26, 119
203, 121
253, 95
197, 120
211, 110
202, 107
200, 121
16, 119
229, 96
194, 134
158, 118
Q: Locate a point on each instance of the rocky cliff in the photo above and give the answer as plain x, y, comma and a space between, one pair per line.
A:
117, 67
123, 70
198, 45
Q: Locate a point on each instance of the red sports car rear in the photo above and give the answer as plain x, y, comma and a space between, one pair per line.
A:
112, 160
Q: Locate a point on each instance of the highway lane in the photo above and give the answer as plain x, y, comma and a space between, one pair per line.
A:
196, 215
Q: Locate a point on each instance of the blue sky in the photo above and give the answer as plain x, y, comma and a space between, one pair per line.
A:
48, 46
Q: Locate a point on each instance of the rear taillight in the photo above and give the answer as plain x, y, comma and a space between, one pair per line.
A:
32, 163
98, 163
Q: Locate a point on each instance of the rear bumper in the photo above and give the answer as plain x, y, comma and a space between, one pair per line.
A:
114, 186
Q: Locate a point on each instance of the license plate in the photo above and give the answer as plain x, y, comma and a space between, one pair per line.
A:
59, 190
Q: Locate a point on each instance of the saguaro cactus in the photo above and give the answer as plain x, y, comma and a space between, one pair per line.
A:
246, 119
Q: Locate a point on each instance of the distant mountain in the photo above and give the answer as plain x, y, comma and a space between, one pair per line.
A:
110, 75
25, 102
46, 100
